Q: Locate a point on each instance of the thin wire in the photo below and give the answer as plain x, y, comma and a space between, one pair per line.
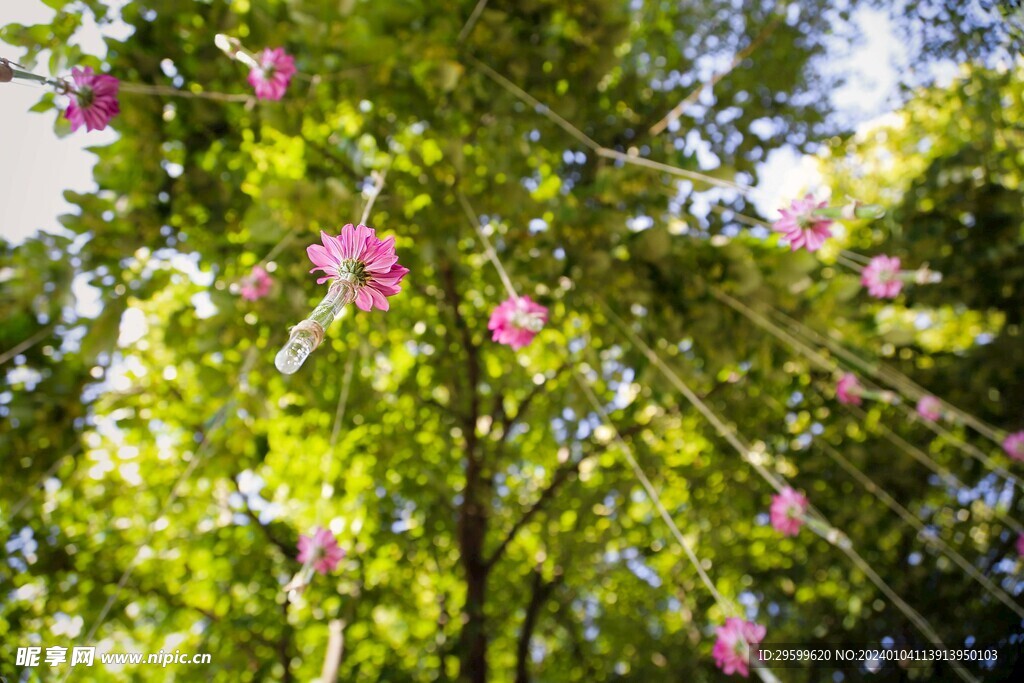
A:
147, 89
26, 344
928, 535
652, 493
849, 263
374, 192
741, 55
24, 500
215, 423
471, 22
592, 144
817, 521
488, 248
655, 498
833, 368
894, 378
339, 416
171, 498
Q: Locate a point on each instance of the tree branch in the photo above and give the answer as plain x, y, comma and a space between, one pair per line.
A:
562, 474
539, 592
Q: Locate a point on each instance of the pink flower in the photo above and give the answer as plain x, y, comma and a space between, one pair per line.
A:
930, 408
733, 645
801, 227
273, 75
848, 389
517, 321
787, 511
1013, 444
1020, 545
321, 549
360, 257
882, 277
257, 284
93, 99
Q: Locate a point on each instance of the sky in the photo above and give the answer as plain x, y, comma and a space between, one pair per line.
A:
36, 166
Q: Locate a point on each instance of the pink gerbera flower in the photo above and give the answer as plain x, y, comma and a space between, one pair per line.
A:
257, 284
1013, 444
848, 389
930, 408
732, 648
882, 277
358, 256
272, 76
321, 549
93, 99
801, 227
787, 511
516, 321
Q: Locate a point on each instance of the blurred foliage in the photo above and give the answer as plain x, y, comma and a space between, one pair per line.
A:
449, 444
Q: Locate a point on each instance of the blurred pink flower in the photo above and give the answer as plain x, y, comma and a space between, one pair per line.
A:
93, 99
787, 511
1020, 544
516, 322
881, 277
274, 74
321, 549
257, 284
801, 227
733, 645
930, 408
1013, 444
848, 389
360, 257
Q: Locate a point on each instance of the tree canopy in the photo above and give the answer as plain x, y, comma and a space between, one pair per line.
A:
158, 471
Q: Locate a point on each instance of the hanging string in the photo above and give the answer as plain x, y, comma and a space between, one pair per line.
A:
26, 344
217, 421
908, 387
592, 144
169, 91
815, 519
915, 521
681, 108
378, 185
471, 22
728, 609
968, 448
327, 489
833, 368
50, 471
926, 534
492, 255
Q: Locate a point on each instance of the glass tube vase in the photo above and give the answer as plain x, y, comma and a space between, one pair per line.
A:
308, 334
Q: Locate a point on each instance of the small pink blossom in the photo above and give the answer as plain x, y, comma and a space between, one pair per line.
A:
882, 277
273, 75
93, 99
321, 549
1020, 544
732, 648
516, 322
930, 408
1013, 444
360, 257
801, 227
256, 285
787, 511
848, 389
